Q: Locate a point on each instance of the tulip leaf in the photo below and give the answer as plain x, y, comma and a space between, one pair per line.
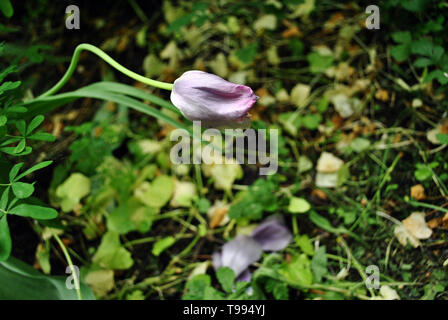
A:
19, 281
134, 92
98, 91
5, 239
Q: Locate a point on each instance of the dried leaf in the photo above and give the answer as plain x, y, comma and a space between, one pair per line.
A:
388, 293
328, 163
382, 95
218, 214
404, 237
415, 224
300, 94
418, 192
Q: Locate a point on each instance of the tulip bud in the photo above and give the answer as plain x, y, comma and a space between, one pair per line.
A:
202, 96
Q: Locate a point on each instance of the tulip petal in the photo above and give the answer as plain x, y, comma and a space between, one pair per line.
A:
238, 254
206, 97
272, 235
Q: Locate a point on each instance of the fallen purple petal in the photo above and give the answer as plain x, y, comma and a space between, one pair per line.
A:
244, 276
217, 259
272, 235
238, 254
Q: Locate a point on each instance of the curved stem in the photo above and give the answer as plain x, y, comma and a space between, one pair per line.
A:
70, 264
100, 53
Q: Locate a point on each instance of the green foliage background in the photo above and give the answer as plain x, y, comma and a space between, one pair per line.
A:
140, 227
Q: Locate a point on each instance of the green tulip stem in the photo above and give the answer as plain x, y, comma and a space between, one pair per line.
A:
70, 264
100, 53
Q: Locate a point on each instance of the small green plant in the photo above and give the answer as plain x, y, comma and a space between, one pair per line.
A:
424, 172
15, 138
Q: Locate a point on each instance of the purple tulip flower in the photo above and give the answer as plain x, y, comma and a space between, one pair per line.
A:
239, 253
202, 96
